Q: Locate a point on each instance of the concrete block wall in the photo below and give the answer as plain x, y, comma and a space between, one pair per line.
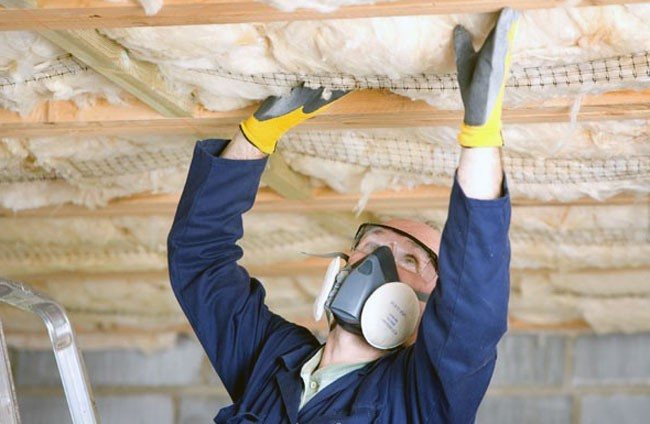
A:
540, 378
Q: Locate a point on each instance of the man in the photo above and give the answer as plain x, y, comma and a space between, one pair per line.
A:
368, 370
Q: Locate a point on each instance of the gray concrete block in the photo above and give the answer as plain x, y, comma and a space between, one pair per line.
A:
209, 375
621, 409
140, 409
615, 358
43, 409
530, 360
200, 410
179, 365
136, 409
525, 409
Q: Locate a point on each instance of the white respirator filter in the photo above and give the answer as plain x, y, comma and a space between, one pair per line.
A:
328, 282
390, 315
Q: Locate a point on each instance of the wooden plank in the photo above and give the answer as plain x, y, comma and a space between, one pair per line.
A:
108, 58
321, 200
142, 80
111, 60
84, 14
284, 180
112, 339
359, 110
163, 338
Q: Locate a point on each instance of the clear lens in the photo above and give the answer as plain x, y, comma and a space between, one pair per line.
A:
410, 257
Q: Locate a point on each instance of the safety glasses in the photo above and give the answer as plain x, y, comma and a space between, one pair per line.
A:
411, 255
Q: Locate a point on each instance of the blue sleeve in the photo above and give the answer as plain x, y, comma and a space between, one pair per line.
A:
467, 314
222, 303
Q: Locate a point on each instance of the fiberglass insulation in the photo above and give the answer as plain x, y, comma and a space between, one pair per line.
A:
208, 60
216, 65
393, 47
551, 247
545, 161
364, 48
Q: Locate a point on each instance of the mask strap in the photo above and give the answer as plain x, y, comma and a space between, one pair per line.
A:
341, 255
422, 296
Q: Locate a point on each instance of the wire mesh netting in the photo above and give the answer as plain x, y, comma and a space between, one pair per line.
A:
584, 237
61, 66
17, 172
310, 238
392, 154
111, 166
419, 158
616, 69
630, 67
126, 164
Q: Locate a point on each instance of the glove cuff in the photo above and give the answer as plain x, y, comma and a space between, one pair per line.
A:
480, 136
261, 134
265, 134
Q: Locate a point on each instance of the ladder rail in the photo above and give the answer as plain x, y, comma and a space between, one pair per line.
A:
8, 404
69, 361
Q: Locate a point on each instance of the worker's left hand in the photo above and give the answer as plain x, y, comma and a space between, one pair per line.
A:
482, 76
277, 115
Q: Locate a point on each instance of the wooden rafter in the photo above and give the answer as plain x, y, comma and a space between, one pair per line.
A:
84, 14
111, 60
144, 81
284, 180
362, 109
157, 338
309, 267
322, 200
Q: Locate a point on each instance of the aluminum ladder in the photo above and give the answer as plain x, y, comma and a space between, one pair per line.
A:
78, 391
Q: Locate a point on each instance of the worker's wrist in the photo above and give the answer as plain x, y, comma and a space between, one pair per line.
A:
480, 136
240, 148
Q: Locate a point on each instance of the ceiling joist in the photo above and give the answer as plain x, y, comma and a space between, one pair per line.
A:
84, 14
358, 110
142, 80
111, 60
321, 200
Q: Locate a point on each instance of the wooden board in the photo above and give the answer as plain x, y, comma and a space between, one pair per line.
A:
111, 60
77, 14
359, 110
322, 200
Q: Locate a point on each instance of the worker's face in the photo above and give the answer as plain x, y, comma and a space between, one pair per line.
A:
414, 265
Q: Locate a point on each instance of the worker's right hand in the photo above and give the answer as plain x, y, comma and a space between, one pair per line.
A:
277, 115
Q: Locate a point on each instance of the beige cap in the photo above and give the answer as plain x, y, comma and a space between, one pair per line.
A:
426, 234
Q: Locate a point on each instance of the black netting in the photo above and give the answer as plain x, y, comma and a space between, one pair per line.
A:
391, 154
61, 66
419, 158
622, 68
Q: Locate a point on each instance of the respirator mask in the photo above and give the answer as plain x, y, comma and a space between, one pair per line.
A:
367, 297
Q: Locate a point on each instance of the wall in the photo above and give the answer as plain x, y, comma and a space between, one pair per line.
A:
550, 377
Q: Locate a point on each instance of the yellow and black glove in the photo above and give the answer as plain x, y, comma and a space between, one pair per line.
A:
277, 115
482, 76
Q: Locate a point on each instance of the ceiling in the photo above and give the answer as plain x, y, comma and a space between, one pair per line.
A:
99, 117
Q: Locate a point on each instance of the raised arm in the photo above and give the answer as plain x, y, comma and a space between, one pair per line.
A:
466, 316
218, 297
222, 303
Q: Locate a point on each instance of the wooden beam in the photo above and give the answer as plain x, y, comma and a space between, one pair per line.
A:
146, 340
142, 80
322, 200
156, 339
111, 60
361, 109
84, 14
284, 180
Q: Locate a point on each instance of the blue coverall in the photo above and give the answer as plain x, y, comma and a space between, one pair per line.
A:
258, 355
